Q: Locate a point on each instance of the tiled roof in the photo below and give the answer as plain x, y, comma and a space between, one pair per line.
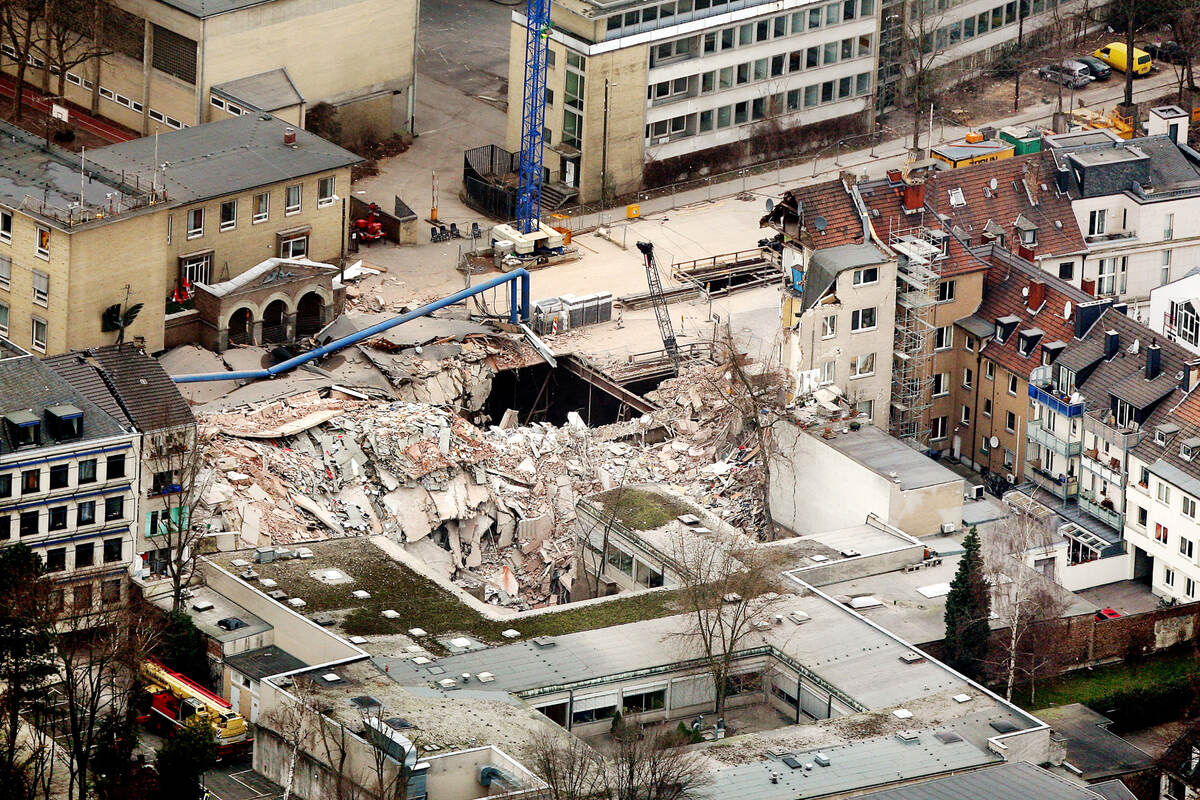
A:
1004, 294
1125, 375
30, 385
828, 200
124, 377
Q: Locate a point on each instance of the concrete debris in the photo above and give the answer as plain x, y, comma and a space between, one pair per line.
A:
491, 509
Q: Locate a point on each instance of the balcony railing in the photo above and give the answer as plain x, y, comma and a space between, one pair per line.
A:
1109, 516
1056, 401
1103, 466
1064, 486
1047, 439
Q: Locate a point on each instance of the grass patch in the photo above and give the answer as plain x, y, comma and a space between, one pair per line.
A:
421, 603
1095, 685
640, 510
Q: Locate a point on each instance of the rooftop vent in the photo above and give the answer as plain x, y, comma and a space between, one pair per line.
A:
331, 677
397, 723
485, 677
902, 713
365, 701
962, 698
912, 657
947, 737
448, 683
202, 605
821, 759
791, 762
1003, 726
542, 642
289, 136
908, 737
230, 624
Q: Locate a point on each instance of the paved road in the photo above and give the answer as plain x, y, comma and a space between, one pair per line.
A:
464, 44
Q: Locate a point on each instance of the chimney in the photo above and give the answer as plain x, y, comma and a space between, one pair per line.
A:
289, 136
1088, 285
1037, 294
914, 196
1153, 360
1112, 343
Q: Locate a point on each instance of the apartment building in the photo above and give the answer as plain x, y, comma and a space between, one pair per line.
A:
134, 389
839, 298
215, 202
1175, 310
1136, 202
68, 483
634, 83
178, 63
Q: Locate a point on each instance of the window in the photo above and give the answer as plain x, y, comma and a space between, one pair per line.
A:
228, 215
1189, 507
325, 188
5, 272
85, 513
41, 288
621, 560
989, 370
943, 338
1185, 547
292, 199
29, 523
865, 408
1009, 458
1160, 533
112, 550
945, 291
829, 326
1164, 493
827, 372
938, 429
968, 378
1165, 268
1141, 516
6, 485
966, 415
1175, 790
262, 208
59, 476
866, 276
1096, 223
863, 319
114, 508
861, 366
987, 406
81, 596
31, 481
941, 384
639, 702
115, 467
983, 444
56, 559
196, 268
1066, 270
1010, 422
6, 226
1111, 277
58, 518
87, 471
1189, 587
42, 245
110, 592
1168, 227
195, 223
294, 247
1012, 385
85, 555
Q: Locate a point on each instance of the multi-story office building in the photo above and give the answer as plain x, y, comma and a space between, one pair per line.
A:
176, 63
68, 483
686, 83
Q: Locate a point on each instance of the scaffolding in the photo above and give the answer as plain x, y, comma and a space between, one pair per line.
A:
917, 249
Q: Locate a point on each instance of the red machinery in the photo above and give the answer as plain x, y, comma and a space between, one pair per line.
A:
367, 229
176, 699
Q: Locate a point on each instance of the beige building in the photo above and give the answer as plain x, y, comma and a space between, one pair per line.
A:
178, 63
635, 83
222, 199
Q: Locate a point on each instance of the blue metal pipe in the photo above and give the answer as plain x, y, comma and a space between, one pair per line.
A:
517, 275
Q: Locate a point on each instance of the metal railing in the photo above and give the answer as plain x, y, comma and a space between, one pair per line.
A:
1047, 438
1055, 401
1062, 486
1111, 517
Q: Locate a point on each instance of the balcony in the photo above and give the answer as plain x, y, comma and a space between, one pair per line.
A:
1064, 487
1056, 401
1037, 433
1107, 467
1095, 506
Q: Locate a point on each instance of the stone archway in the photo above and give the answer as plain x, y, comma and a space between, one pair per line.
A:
275, 323
310, 314
241, 326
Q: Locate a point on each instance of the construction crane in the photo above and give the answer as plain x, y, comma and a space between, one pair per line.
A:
654, 281
533, 116
177, 700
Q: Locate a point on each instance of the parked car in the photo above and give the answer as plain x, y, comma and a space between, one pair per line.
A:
1073, 77
1170, 52
1107, 613
1115, 56
1097, 68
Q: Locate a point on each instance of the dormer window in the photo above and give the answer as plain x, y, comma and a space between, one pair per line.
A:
1066, 380
1027, 231
1163, 433
1028, 339
1005, 326
24, 428
1189, 448
66, 421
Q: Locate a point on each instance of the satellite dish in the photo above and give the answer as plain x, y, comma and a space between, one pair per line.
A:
994, 441
819, 223
1024, 291
1067, 310
992, 184
770, 205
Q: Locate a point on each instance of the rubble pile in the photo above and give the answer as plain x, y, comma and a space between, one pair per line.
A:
490, 508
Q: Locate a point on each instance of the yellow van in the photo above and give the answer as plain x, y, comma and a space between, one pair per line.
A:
1115, 56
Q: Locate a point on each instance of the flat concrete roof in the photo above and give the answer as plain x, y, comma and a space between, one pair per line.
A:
884, 455
222, 608
1091, 748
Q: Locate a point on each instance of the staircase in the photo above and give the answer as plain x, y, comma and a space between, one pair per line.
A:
556, 195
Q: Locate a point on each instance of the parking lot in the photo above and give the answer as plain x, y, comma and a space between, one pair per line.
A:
237, 781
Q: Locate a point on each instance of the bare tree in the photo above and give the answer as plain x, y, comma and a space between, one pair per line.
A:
21, 20
289, 720
919, 49
726, 590
73, 34
392, 758
654, 767
1183, 16
571, 769
1022, 598
175, 458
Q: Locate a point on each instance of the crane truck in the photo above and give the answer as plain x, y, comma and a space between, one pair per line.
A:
175, 700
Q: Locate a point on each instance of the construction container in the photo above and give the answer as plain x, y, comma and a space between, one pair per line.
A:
604, 304
544, 313
1023, 139
573, 309
591, 309
960, 154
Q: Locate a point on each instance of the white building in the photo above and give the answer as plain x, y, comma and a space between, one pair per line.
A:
1175, 310
68, 483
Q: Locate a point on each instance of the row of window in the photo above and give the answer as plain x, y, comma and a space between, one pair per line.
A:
762, 30
1189, 585
38, 333
29, 523
59, 475
225, 105
758, 109
979, 24
85, 555
293, 203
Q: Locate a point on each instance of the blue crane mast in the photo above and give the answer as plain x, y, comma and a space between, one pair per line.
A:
533, 116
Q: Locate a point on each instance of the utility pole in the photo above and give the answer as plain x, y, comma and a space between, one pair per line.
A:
604, 152
1020, 39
